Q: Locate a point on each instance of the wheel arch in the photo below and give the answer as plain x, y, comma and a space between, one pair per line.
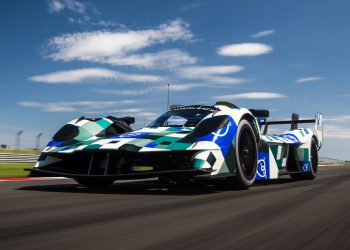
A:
251, 119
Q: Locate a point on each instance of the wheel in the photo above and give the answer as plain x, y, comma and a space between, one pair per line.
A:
95, 182
246, 155
309, 175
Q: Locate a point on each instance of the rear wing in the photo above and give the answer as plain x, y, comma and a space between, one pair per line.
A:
294, 125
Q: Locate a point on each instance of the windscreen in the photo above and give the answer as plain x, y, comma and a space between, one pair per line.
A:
188, 116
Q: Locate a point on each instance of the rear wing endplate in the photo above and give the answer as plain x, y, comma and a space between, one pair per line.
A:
319, 129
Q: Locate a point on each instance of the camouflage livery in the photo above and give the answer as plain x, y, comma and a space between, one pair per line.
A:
85, 148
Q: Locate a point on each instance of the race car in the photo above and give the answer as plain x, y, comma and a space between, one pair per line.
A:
196, 142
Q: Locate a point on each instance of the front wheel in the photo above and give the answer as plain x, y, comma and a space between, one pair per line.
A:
95, 182
246, 155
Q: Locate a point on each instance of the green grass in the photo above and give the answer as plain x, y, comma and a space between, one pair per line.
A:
14, 169
21, 151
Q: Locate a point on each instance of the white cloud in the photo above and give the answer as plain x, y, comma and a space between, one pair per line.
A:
119, 47
129, 92
337, 126
108, 24
55, 6
190, 6
182, 87
309, 79
154, 89
120, 111
93, 74
4, 125
162, 59
336, 131
72, 5
212, 74
195, 72
263, 33
251, 95
337, 118
142, 116
244, 49
123, 112
74, 106
92, 23
225, 80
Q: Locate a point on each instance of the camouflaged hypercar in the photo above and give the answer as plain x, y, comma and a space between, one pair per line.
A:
188, 142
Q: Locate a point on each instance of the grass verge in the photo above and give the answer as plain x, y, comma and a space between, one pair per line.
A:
14, 169
22, 151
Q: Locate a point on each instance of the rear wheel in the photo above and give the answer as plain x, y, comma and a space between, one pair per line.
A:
246, 155
95, 182
309, 175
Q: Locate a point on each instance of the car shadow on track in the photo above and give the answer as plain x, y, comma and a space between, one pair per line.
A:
273, 182
151, 188
130, 188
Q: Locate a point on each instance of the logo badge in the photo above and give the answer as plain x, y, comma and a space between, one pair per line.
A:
261, 171
263, 168
290, 137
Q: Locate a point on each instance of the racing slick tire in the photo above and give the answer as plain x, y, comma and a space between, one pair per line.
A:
95, 182
246, 150
309, 175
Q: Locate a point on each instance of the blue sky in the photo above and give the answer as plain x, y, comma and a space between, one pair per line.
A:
61, 59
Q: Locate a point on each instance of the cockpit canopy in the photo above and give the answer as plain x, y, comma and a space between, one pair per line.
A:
183, 116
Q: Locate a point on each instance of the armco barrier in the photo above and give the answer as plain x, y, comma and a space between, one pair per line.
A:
20, 158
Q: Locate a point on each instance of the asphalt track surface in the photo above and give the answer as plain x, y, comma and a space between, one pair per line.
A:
284, 214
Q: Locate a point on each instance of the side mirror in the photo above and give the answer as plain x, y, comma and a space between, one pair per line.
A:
260, 112
129, 120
